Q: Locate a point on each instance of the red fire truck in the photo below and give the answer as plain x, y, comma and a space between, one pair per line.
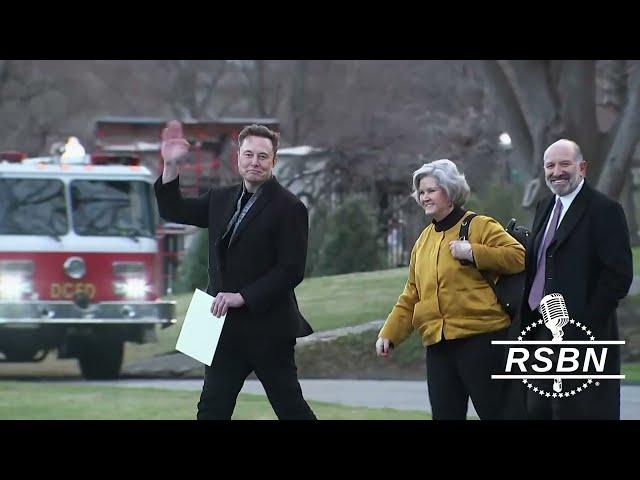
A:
80, 271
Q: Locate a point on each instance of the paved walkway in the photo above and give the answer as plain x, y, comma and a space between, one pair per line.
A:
400, 395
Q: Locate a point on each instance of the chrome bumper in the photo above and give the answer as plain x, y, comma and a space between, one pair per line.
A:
30, 313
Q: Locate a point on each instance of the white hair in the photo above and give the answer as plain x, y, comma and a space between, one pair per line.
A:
447, 176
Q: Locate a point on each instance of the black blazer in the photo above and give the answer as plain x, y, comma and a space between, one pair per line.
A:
589, 262
265, 259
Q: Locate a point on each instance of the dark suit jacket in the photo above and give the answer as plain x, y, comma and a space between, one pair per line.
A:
589, 262
265, 259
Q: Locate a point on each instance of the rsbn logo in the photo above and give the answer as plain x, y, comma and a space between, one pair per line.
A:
556, 359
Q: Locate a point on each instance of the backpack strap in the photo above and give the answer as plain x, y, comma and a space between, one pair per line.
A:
464, 235
464, 227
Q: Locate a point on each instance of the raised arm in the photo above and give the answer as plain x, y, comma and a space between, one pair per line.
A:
171, 204
174, 149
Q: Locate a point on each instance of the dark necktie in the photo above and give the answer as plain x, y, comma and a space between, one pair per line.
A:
537, 288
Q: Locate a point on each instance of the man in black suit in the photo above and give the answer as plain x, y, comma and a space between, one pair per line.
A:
257, 251
580, 249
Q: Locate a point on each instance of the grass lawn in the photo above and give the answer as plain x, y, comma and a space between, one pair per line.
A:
50, 401
326, 302
632, 372
350, 299
333, 302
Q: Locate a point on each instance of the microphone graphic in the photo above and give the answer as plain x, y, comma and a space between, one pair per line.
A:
555, 316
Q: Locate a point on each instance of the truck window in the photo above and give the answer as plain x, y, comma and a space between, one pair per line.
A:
112, 208
32, 206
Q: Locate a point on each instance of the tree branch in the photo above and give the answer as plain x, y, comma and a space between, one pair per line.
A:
577, 86
4, 76
619, 78
538, 105
509, 109
211, 87
626, 138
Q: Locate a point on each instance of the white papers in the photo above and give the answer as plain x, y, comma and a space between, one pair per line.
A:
201, 330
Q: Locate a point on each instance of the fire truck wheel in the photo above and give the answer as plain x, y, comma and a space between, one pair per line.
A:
101, 359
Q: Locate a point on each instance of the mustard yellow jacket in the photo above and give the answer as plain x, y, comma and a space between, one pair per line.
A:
443, 296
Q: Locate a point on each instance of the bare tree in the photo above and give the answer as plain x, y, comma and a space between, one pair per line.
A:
263, 84
540, 101
4, 76
194, 85
307, 96
31, 105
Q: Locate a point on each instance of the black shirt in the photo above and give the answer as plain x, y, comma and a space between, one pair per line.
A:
450, 220
225, 240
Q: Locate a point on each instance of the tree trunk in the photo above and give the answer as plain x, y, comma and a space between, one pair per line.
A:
509, 110
539, 106
628, 204
578, 82
297, 102
618, 161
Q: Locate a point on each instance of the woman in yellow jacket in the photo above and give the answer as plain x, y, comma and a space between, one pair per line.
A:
451, 305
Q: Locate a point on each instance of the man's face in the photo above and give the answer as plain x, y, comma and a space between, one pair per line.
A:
561, 171
256, 159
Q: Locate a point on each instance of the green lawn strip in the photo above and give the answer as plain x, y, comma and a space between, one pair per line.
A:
47, 401
326, 302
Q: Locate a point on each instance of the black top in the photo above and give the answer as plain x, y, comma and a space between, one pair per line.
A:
265, 260
225, 240
245, 198
450, 220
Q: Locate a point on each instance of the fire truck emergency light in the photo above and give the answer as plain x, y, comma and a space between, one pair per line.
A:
13, 287
73, 152
15, 279
12, 156
131, 288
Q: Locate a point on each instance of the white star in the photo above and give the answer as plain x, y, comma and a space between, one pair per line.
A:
524, 380
593, 338
523, 332
584, 385
573, 392
584, 327
520, 338
529, 385
541, 392
588, 332
535, 389
554, 395
528, 328
548, 395
579, 389
578, 324
566, 394
572, 321
589, 381
540, 322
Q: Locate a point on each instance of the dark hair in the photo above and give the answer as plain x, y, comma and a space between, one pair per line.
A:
259, 131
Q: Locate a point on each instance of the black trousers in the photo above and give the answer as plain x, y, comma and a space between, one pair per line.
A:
273, 362
599, 401
462, 368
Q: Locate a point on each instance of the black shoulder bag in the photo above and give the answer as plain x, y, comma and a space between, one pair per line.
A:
509, 289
